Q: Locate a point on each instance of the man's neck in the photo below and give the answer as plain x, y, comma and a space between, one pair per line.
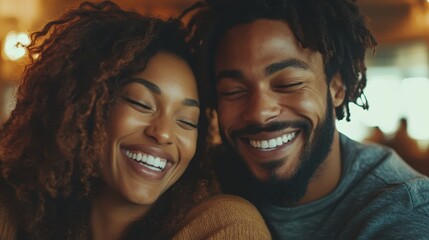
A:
327, 176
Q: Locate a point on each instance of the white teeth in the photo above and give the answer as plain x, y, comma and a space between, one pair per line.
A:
279, 141
272, 143
264, 144
285, 138
151, 162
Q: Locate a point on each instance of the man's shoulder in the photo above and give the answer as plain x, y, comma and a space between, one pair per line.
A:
389, 195
409, 195
368, 159
363, 153
418, 190
397, 211
383, 168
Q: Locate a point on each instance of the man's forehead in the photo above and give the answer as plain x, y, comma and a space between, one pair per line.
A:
261, 43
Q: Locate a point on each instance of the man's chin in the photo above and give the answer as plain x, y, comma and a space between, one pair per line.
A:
280, 191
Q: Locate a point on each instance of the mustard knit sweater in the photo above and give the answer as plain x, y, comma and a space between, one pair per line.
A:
217, 218
223, 217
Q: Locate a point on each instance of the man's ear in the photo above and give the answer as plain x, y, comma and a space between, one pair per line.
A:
337, 89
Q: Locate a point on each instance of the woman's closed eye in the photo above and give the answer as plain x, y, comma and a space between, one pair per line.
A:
187, 124
138, 104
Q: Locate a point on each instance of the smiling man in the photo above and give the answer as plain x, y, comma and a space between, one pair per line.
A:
283, 71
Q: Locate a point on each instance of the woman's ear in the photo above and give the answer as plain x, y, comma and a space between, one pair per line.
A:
337, 89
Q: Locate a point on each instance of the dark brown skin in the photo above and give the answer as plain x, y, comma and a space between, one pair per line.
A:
53, 147
247, 94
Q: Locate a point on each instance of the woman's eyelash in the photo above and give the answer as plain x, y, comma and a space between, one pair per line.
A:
189, 124
149, 108
137, 103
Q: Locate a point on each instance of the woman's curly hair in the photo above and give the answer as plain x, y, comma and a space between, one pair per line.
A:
335, 28
51, 145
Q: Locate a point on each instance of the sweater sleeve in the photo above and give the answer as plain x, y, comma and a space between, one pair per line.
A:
223, 217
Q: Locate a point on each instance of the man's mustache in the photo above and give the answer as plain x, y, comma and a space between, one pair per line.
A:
271, 127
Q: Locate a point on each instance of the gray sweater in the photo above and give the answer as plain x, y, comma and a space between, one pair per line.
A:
379, 197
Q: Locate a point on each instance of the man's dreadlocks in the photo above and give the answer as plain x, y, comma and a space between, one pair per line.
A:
335, 28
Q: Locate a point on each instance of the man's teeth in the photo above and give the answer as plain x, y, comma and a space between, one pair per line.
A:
151, 162
272, 143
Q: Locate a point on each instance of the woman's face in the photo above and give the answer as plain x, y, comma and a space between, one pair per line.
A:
152, 130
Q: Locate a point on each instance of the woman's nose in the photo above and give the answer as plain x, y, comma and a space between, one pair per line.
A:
160, 130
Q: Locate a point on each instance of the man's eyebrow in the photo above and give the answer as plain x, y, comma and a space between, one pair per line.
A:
288, 63
229, 74
148, 84
269, 70
191, 102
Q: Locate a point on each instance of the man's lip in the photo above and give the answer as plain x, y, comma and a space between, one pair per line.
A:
151, 150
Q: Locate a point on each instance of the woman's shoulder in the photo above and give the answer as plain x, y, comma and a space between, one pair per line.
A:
225, 206
223, 217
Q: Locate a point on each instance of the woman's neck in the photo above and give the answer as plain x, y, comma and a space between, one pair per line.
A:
111, 214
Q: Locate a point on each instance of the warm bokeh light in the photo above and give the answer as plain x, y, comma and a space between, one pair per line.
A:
382, 91
382, 94
415, 96
14, 45
390, 99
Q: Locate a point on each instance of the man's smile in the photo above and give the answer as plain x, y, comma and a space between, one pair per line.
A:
270, 144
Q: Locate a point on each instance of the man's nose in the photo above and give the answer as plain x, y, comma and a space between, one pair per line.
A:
262, 107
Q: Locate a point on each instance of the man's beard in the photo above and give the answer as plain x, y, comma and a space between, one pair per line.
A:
286, 191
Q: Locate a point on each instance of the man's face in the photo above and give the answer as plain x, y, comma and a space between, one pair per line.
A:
275, 107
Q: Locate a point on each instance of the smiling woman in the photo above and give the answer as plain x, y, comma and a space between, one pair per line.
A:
108, 137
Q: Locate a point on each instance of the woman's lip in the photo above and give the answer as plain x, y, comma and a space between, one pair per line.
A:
150, 150
144, 171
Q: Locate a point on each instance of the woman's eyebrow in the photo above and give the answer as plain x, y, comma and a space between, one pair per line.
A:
155, 89
148, 84
191, 102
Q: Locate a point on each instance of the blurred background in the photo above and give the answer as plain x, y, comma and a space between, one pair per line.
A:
398, 72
